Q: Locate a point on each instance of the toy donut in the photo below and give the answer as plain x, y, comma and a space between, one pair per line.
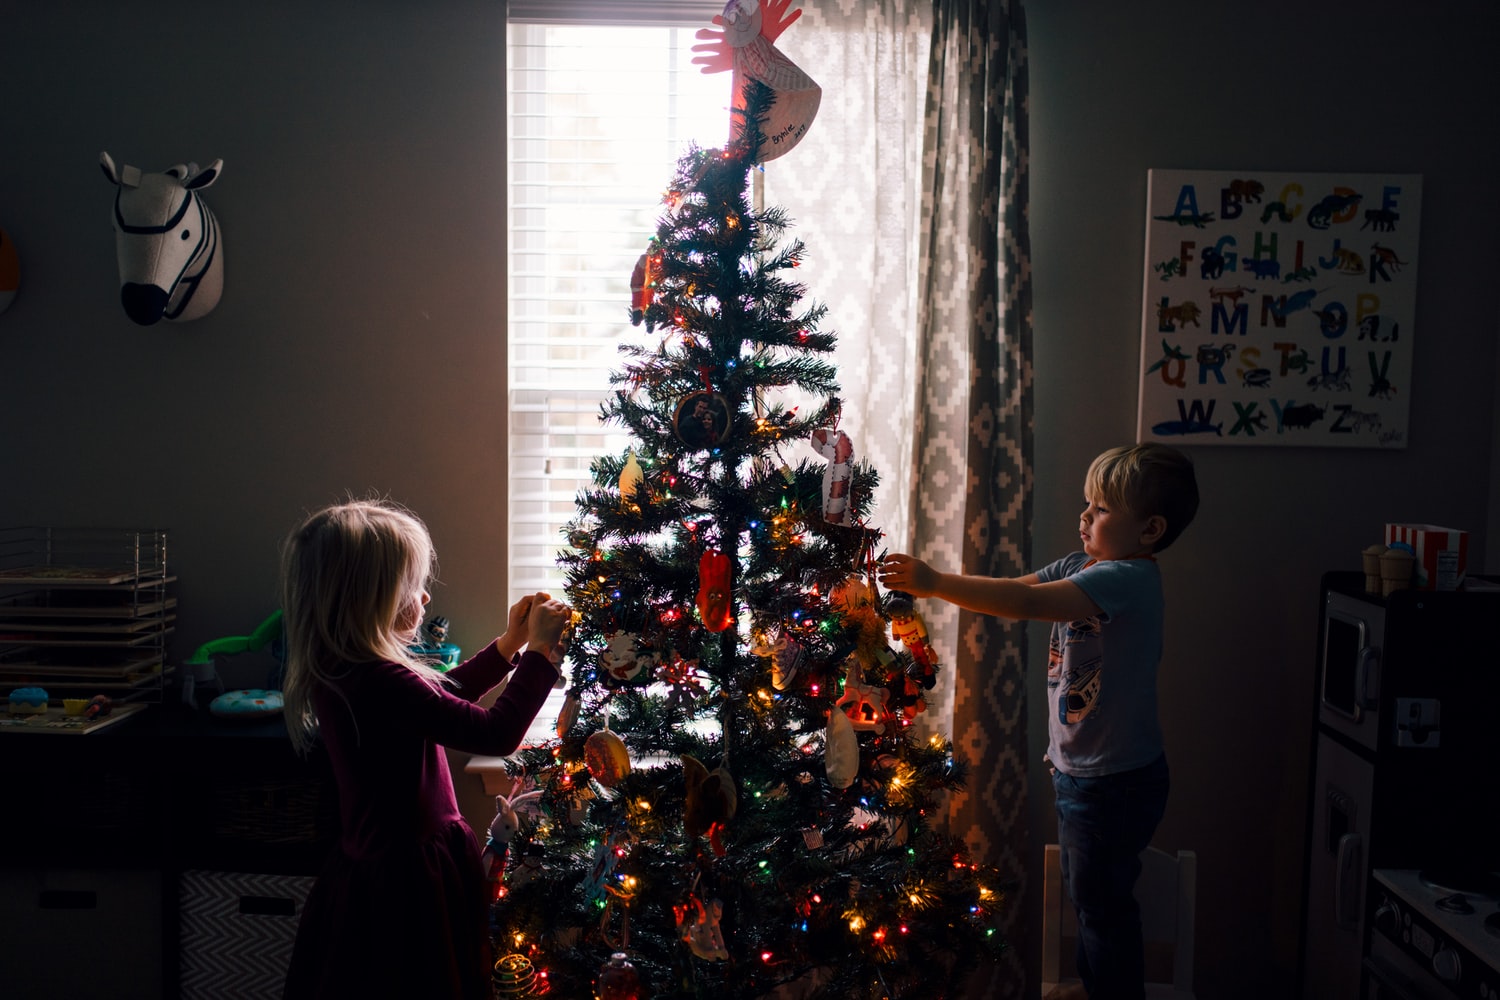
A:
28, 701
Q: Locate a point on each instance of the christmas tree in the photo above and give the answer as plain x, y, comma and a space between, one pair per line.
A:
737, 804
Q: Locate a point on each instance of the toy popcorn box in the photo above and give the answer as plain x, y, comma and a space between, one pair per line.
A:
1442, 554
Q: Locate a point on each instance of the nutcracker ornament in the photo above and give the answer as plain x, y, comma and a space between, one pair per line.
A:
911, 630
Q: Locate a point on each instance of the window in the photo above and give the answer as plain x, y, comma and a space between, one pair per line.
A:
598, 117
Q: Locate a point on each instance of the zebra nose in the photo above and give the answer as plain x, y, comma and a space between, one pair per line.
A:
143, 303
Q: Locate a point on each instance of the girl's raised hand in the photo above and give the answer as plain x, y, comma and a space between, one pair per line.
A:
546, 622
514, 638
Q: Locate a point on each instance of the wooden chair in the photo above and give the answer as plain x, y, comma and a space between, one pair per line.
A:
1166, 891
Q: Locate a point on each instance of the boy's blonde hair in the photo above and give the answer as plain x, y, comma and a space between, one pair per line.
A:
346, 574
1147, 479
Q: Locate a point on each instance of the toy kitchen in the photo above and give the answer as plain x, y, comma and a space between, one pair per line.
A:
1402, 874
1433, 933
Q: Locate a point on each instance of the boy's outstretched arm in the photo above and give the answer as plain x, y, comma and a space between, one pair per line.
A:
1022, 597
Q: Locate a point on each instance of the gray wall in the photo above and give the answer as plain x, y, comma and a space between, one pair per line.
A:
360, 342
1389, 87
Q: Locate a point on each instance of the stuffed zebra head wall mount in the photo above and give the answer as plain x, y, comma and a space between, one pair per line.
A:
166, 241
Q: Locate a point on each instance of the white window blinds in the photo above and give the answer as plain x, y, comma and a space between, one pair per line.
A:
598, 116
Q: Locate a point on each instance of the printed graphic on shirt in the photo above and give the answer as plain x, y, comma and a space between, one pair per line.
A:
1073, 660
1078, 697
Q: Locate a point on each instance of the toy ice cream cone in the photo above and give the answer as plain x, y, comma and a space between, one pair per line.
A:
1395, 570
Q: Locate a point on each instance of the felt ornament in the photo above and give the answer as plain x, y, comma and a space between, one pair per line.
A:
839, 450
526, 866
698, 925
167, 242
745, 45
840, 750
605, 756
497, 844
643, 287
714, 590
865, 705
854, 599
631, 480
10, 271
711, 801
621, 659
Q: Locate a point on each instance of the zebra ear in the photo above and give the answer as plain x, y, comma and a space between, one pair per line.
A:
203, 178
107, 164
124, 176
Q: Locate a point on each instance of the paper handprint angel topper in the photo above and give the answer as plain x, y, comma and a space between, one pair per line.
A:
743, 43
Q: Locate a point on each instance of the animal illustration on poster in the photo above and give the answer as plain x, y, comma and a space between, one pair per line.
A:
1279, 308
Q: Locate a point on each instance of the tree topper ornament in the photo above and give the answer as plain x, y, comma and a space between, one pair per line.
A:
744, 44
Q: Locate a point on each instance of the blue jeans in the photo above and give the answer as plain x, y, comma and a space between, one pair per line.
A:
1103, 825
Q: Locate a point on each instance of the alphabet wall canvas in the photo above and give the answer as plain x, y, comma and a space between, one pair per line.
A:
1279, 308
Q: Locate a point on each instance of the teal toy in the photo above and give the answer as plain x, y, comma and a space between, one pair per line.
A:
199, 668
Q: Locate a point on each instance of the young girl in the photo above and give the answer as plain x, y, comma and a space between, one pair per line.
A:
399, 908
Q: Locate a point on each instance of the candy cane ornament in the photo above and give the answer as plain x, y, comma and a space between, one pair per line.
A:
839, 450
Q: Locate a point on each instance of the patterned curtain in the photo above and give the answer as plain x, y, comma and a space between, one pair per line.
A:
975, 320
910, 193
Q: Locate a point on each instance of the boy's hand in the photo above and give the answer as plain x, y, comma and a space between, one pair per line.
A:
546, 622
900, 571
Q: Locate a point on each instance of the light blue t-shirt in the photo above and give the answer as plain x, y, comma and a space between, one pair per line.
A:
1101, 670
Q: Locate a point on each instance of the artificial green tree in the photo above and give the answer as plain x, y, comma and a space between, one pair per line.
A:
737, 800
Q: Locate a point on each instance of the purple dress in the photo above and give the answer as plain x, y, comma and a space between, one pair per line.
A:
399, 908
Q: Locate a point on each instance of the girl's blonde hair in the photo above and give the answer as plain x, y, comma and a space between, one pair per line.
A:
347, 572
1147, 479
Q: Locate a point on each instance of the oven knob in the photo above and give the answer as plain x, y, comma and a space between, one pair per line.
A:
1388, 916
1447, 965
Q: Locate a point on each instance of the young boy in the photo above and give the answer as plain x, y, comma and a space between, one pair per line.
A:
1103, 739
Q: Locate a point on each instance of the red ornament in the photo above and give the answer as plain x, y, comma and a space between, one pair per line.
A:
618, 980
643, 287
713, 590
